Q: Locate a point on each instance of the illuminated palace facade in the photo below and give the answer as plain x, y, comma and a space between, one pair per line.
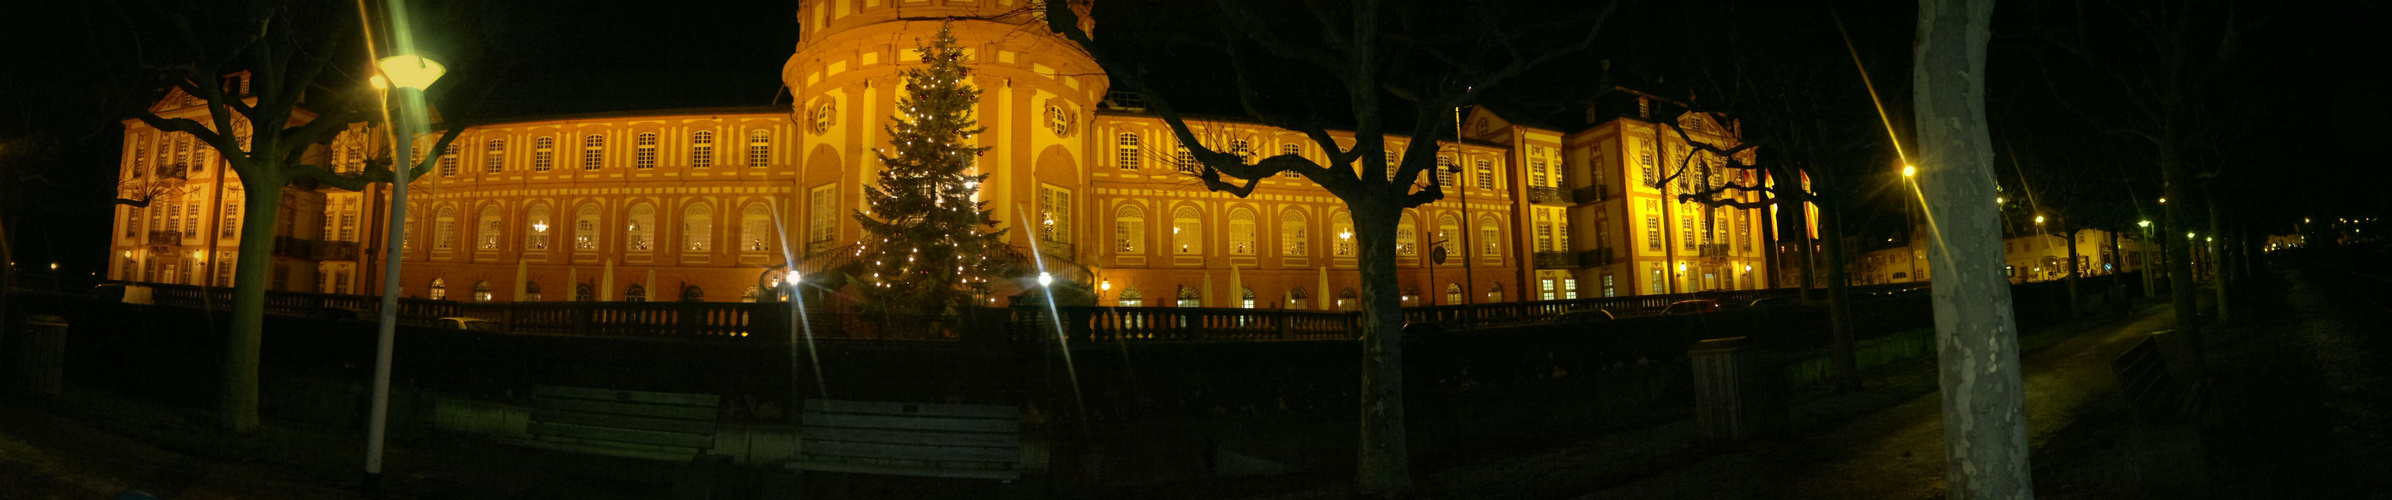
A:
708, 204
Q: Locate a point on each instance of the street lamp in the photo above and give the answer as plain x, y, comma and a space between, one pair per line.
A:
411, 73
1045, 279
2143, 223
1909, 171
2038, 219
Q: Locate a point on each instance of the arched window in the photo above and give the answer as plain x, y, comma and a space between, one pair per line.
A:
755, 228
593, 151
1490, 238
1453, 293
536, 224
531, 291
444, 228
1126, 151
481, 291
1189, 297
1241, 231
1410, 295
691, 293
1246, 297
1495, 294
494, 158
490, 227
701, 149
1346, 300
1129, 230
583, 292
759, 148
585, 227
1407, 236
1187, 231
697, 228
1297, 300
1292, 234
543, 154
644, 152
1449, 230
640, 234
1131, 298
636, 293
439, 289
750, 295
1342, 228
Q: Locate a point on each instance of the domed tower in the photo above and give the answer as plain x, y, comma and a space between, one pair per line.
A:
1038, 91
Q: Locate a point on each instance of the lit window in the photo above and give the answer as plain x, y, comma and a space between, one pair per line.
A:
593, 151
701, 149
1131, 298
1129, 226
439, 289
1054, 214
822, 216
444, 229
641, 231
1486, 174
490, 227
1187, 160
1445, 168
536, 228
543, 154
1241, 231
1189, 297
1490, 238
1407, 237
755, 228
494, 157
1342, 228
1187, 231
644, 152
1127, 151
759, 148
585, 227
1292, 237
697, 228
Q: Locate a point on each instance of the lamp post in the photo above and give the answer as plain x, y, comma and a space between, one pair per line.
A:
2039, 235
2145, 249
1910, 216
410, 73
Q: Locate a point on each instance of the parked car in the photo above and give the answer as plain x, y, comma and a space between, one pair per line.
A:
335, 314
1782, 300
1696, 306
464, 323
1584, 316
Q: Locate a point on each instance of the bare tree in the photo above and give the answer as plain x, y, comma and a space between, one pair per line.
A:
1433, 58
285, 48
1984, 398
2151, 66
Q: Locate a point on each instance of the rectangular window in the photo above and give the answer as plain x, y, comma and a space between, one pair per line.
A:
1744, 230
1493, 238
1486, 174
174, 216
1187, 160
348, 227
1544, 236
1291, 149
1054, 220
544, 154
1545, 289
495, 159
1569, 289
191, 224
1126, 150
593, 151
701, 150
644, 151
1644, 159
1608, 286
1392, 161
1686, 226
759, 148
132, 222
1445, 168
1536, 173
1653, 233
822, 217
224, 269
448, 160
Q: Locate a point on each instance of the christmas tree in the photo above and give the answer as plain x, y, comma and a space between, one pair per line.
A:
930, 246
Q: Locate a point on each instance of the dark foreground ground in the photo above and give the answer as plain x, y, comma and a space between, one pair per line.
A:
2303, 392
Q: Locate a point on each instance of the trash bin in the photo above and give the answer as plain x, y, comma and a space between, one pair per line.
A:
37, 348
1726, 403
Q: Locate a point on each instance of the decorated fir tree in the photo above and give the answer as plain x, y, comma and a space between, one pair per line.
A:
930, 247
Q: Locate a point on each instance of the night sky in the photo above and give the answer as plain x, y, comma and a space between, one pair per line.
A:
2307, 91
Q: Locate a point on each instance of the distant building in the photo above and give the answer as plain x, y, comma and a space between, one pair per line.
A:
707, 204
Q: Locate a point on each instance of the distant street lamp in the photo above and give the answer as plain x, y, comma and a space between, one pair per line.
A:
1909, 171
411, 73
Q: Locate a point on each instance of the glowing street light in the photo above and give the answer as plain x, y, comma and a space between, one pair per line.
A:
2143, 223
1997, 200
1045, 279
2038, 219
410, 71
1105, 285
1909, 171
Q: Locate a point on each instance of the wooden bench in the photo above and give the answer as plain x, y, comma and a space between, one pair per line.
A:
2143, 376
636, 424
910, 439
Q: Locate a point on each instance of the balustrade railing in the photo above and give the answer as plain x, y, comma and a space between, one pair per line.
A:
1550, 196
1557, 260
165, 238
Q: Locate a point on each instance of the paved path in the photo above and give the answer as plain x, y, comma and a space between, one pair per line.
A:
1898, 452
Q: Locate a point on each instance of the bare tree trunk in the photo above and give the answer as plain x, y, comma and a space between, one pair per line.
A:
1383, 468
2220, 267
1839, 302
2180, 256
252, 267
1984, 403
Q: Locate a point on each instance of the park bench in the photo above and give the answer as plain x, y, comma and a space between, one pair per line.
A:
2144, 377
636, 424
910, 439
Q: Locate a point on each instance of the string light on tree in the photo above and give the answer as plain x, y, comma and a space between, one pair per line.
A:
926, 201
